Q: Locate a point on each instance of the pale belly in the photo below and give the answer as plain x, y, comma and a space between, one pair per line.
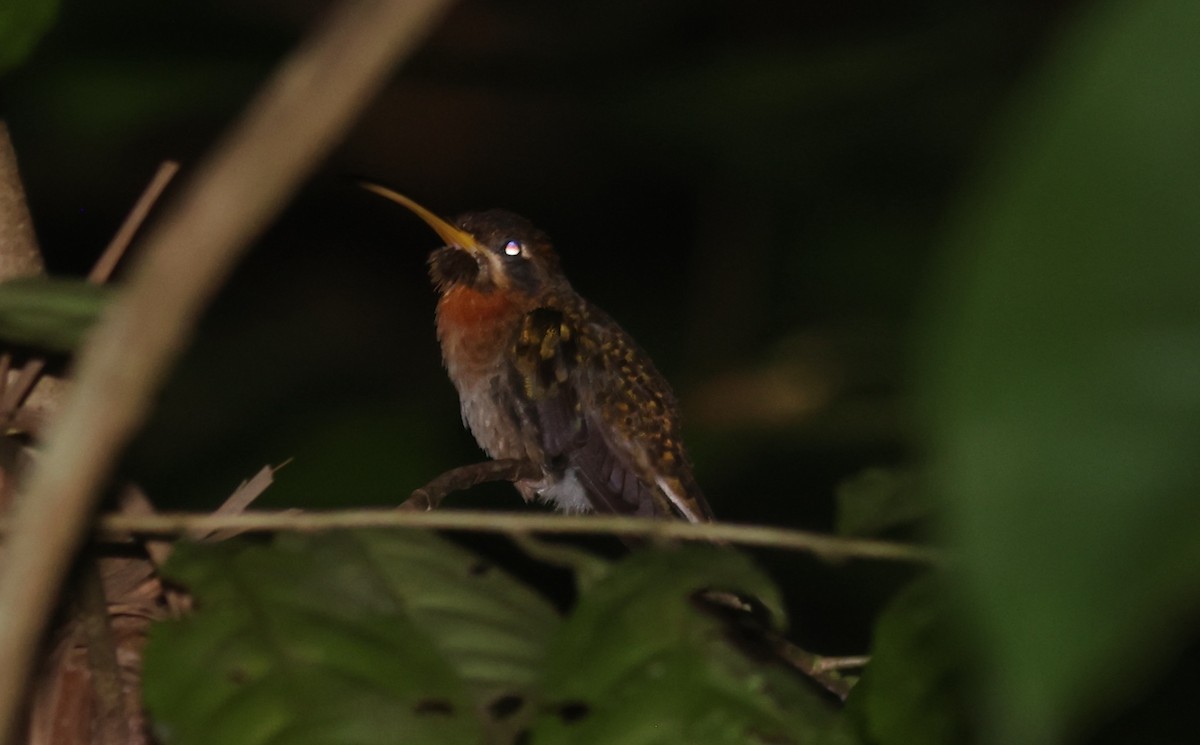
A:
490, 420
493, 421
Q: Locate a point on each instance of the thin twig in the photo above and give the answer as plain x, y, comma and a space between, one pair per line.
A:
827, 547
829, 678
104, 266
852, 662
741, 616
292, 124
241, 498
430, 496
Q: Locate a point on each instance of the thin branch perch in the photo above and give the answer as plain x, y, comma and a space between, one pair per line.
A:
826, 547
430, 496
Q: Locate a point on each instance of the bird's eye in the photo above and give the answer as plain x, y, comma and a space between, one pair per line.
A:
513, 248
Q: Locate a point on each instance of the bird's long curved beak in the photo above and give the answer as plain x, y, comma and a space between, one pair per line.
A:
450, 234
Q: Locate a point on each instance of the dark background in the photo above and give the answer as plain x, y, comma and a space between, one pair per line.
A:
754, 189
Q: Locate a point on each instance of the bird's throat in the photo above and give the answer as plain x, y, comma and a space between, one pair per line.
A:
464, 307
473, 326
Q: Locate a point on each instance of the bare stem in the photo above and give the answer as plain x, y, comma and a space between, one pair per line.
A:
104, 266
813, 665
430, 496
827, 547
291, 125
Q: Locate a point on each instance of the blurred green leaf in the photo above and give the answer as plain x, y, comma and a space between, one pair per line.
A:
351, 638
1065, 385
640, 662
49, 313
912, 690
877, 500
22, 25
110, 99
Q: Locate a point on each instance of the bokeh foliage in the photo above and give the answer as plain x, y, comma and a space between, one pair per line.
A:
1064, 381
22, 24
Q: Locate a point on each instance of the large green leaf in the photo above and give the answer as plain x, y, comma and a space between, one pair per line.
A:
364, 637
49, 313
22, 24
492, 628
1065, 387
640, 663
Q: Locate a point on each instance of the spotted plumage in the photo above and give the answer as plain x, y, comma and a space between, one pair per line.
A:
545, 376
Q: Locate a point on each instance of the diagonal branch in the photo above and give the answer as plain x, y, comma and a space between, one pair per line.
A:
291, 125
104, 266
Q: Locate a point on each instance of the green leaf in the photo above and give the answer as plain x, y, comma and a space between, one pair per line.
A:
49, 313
492, 628
913, 689
640, 663
367, 637
878, 500
1065, 388
22, 25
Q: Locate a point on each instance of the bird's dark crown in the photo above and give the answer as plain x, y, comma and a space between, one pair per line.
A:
519, 257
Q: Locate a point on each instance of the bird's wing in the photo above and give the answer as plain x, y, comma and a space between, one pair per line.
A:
610, 420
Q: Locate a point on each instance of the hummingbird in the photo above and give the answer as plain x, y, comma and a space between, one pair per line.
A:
546, 377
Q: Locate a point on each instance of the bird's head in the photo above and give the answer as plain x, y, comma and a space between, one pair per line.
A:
487, 251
